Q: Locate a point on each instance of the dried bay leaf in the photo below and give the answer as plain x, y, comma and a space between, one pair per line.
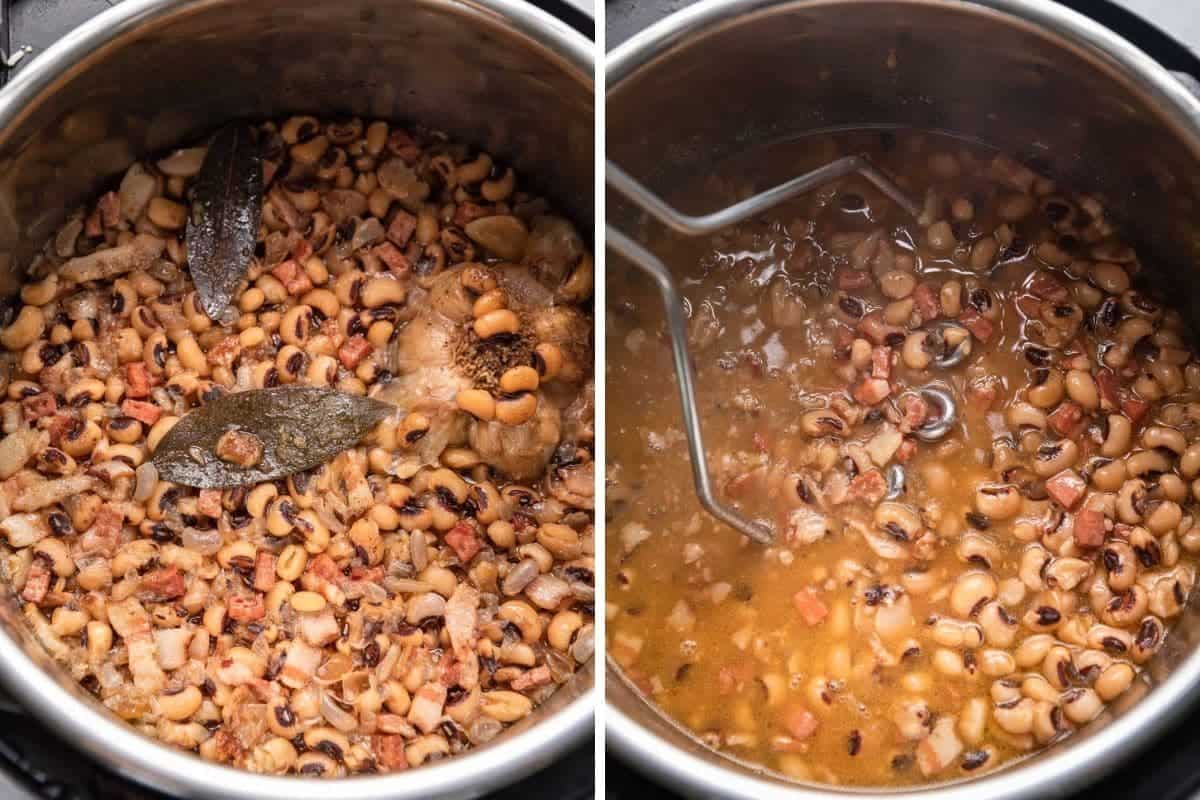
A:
299, 427
226, 209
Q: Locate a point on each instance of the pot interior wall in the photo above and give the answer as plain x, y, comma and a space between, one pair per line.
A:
795, 68
451, 65
791, 69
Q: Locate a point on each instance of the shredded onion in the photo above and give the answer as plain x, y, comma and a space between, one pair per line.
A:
147, 477
335, 715
204, 542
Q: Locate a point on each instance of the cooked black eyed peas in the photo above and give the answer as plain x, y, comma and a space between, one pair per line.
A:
1030, 562
395, 606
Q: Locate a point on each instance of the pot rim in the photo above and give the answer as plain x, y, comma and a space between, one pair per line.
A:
1058, 771
165, 768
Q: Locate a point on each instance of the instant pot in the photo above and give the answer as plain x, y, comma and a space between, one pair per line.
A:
688, 85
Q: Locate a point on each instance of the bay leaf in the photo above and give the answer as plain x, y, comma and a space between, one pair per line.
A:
226, 208
299, 427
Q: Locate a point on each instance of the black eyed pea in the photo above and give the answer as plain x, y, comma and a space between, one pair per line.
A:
503, 535
68, 621
970, 591
562, 628
1155, 436
821, 422
1111, 640
1005, 692
433, 746
997, 501
180, 705
1113, 681
1016, 719
519, 379
1048, 722
291, 562
296, 325
490, 300
1022, 415
1119, 438
506, 706
1110, 277
1149, 637
166, 213
1081, 705
80, 439
1053, 457
897, 284
1032, 650
998, 625
25, 329
996, 663
915, 352
1058, 668
1169, 486
1162, 516
516, 409
1145, 462
494, 323
379, 292
1081, 387
561, 540
447, 482
525, 617
940, 237
100, 641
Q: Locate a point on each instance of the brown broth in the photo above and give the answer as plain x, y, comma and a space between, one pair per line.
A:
711, 627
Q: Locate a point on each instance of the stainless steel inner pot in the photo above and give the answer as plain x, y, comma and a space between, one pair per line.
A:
1027, 76
150, 74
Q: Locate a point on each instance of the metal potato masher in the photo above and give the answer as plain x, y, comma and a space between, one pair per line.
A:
647, 201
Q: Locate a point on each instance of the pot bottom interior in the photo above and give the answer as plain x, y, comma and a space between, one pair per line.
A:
952, 586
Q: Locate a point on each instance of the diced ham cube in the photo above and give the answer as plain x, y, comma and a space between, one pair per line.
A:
141, 411
881, 362
137, 380
848, 280
981, 328
1029, 306
324, 568
939, 749
105, 532
469, 212
915, 409
464, 541
868, 487
389, 751
981, 394
293, 277
1048, 287
391, 255
732, 677
37, 580
1089, 528
539, 676
264, 571
302, 251
162, 584
809, 606
1066, 488
369, 574
209, 503
908, 449
1066, 420
1135, 408
799, 722
224, 352
925, 297
402, 144
353, 351
39, 405
872, 391
1110, 385
401, 229
247, 607
426, 709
